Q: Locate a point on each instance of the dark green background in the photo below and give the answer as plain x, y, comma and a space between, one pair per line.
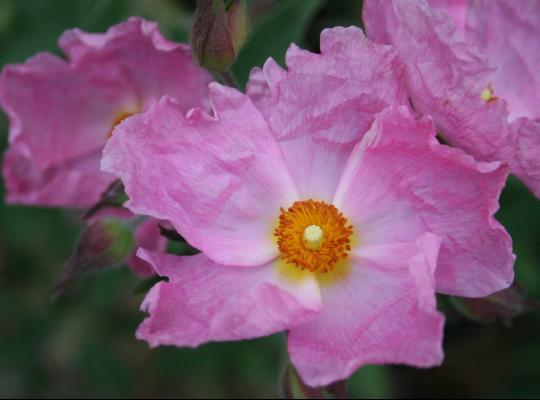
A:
84, 345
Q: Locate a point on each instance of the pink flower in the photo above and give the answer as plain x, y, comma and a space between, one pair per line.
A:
307, 223
62, 112
475, 76
508, 33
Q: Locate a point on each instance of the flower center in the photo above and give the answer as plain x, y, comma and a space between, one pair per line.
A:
313, 235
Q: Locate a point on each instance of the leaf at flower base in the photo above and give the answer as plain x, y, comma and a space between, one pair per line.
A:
292, 387
113, 197
103, 244
502, 306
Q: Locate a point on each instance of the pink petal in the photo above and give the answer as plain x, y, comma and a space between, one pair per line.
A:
204, 301
324, 103
400, 182
156, 66
523, 152
80, 185
60, 118
455, 9
147, 236
384, 311
219, 180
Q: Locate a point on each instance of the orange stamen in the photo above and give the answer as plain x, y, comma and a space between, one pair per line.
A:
313, 235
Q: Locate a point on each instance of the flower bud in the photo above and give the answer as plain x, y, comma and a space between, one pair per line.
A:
103, 244
502, 306
219, 32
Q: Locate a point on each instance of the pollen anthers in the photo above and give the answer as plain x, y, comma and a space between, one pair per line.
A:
313, 235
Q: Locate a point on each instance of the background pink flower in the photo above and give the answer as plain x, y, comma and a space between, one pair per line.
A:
507, 32
62, 112
471, 67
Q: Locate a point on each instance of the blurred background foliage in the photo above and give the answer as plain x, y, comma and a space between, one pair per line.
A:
84, 345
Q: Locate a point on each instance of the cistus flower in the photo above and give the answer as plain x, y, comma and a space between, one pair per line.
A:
63, 112
475, 77
307, 223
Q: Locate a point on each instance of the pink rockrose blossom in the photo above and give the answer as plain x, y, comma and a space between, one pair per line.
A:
345, 253
474, 73
62, 112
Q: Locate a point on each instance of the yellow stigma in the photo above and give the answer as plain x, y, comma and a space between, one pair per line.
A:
313, 235
488, 95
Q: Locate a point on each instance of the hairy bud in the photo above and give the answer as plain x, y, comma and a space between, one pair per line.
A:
219, 32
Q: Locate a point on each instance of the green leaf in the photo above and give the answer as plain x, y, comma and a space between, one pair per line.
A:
371, 382
286, 23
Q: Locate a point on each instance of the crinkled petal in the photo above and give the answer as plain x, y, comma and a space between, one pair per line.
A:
445, 76
455, 9
60, 118
507, 32
323, 104
523, 152
220, 180
383, 311
75, 184
449, 72
400, 182
156, 66
204, 301
62, 112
